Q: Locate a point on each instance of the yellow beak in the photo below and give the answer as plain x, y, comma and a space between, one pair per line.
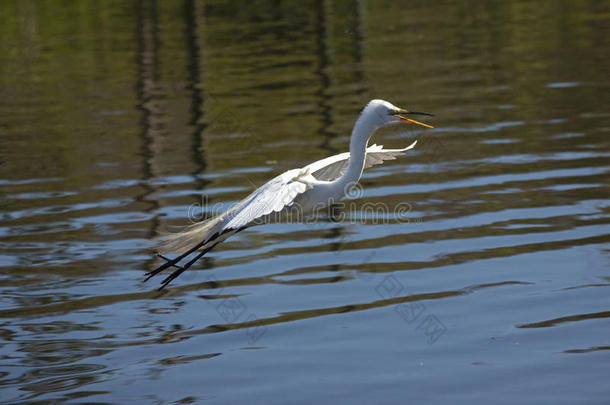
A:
400, 114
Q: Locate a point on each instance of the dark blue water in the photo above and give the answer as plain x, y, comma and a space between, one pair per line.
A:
120, 120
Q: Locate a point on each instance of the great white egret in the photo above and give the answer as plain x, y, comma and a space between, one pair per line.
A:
322, 182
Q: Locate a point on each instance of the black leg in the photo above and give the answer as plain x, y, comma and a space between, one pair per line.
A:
180, 270
167, 259
172, 262
216, 238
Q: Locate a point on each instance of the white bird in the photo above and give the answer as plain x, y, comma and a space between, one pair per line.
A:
319, 184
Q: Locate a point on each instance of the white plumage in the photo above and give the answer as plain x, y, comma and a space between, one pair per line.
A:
321, 182
331, 168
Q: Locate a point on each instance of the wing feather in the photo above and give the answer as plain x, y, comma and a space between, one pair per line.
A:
272, 196
333, 167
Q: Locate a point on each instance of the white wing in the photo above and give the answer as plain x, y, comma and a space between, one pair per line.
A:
333, 167
272, 196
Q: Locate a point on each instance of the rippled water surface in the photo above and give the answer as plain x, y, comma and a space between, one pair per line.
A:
119, 119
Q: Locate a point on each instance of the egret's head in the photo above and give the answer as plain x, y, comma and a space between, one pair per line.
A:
383, 113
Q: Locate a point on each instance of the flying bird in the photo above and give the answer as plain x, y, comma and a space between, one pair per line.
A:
319, 183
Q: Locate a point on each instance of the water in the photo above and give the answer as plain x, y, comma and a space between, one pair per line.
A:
117, 117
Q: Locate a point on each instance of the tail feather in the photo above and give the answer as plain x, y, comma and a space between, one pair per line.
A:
191, 236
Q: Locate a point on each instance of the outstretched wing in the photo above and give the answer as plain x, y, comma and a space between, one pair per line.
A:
333, 167
272, 196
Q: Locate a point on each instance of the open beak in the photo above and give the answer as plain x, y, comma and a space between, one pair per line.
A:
400, 113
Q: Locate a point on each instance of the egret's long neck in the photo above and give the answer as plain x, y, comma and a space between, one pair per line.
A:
361, 133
